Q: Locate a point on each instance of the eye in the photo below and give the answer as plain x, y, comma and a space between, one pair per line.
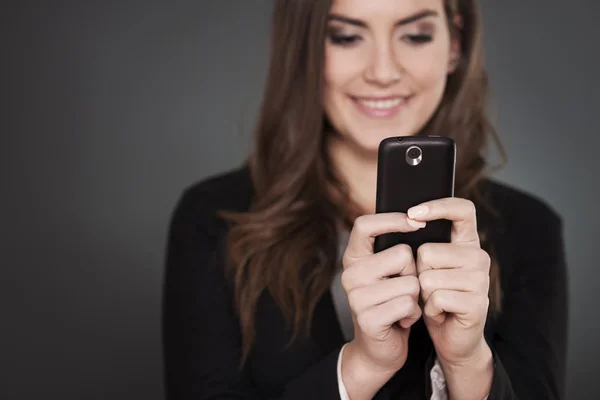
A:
343, 40
418, 39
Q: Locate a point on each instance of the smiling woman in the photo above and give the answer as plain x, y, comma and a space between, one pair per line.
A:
385, 76
273, 289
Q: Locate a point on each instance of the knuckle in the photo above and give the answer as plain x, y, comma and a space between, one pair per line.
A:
403, 250
416, 286
412, 285
435, 298
486, 303
483, 280
424, 252
362, 320
360, 225
354, 301
483, 277
484, 258
348, 279
480, 306
407, 304
470, 206
406, 260
347, 260
426, 281
404, 253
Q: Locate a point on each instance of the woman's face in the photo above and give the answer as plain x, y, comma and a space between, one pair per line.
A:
386, 65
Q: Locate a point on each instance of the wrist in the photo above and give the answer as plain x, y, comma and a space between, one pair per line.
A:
470, 378
479, 359
361, 378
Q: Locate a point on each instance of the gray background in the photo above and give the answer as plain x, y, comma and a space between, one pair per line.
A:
109, 109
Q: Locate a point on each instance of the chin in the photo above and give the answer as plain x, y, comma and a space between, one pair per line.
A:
368, 140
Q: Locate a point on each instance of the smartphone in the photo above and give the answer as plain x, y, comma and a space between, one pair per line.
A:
412, 170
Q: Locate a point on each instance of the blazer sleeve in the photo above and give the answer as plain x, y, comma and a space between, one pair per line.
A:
200, 331
529, 346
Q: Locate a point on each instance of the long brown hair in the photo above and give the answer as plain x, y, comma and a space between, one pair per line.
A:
286, 243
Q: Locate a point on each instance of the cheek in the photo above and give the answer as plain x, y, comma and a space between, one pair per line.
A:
429, 71
429, 75
341, 68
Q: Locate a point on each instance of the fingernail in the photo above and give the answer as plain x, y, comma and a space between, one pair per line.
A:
418, 211
415, 224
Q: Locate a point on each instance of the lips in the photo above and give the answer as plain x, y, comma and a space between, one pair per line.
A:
381, 107
385, 104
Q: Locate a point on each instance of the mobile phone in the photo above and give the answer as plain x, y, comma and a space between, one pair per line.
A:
412, 170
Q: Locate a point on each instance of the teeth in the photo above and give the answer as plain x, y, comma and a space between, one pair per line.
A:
381, 104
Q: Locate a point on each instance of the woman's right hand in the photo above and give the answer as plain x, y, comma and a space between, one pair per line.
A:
383, 307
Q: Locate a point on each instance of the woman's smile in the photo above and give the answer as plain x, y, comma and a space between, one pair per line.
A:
380, 107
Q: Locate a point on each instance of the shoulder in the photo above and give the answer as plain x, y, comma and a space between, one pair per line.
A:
200, 202
524, 227
230, 190
528, 238
518, 208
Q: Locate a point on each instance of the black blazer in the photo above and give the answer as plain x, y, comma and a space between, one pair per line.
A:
201, 336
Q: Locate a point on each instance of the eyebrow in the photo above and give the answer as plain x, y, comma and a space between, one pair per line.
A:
405, 21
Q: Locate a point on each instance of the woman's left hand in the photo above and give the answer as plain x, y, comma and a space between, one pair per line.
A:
454, 280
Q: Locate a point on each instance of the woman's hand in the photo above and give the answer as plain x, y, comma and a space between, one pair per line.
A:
454, 280
383, 308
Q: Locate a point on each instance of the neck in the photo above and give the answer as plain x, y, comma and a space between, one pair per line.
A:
358, 169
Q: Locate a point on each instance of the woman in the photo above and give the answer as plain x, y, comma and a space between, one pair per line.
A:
272, 288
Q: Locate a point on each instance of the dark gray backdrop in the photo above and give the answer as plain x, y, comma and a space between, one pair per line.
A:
109, 109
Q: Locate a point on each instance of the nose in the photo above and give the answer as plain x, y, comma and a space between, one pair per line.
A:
383, 68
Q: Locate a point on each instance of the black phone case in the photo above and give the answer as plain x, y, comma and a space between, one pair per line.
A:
401, 185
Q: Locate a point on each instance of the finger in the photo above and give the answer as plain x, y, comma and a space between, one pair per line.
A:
468, 308
397, 260
367, 227
461, 212
370, 296
378, 319
473, 281
450, 255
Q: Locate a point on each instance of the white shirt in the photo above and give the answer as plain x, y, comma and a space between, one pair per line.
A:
438, 382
